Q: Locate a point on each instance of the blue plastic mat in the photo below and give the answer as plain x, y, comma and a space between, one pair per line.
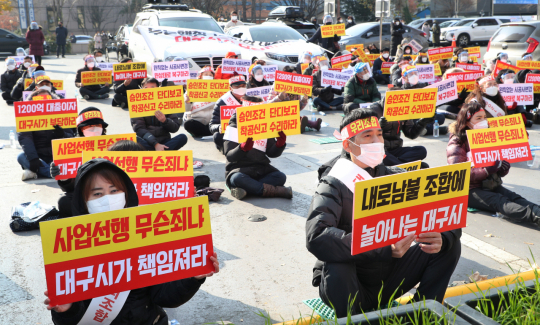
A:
320, 308
325, 140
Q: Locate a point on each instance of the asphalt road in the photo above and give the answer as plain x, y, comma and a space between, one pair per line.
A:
264, 266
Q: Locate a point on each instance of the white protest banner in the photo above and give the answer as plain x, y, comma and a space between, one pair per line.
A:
447, 91
416, 47
61, 93
20, 59
172, 71
105, 66
333, 78
229, 66
262, 92
426, 72
193, 74
522, 94
348, 71
270, 72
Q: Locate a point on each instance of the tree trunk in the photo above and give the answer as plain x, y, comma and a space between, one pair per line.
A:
244, 10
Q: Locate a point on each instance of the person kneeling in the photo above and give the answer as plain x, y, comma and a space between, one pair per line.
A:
389, 271
248, 169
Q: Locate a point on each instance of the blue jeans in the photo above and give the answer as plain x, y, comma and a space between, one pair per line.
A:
44, 170
323, 106
174, 143
255, 187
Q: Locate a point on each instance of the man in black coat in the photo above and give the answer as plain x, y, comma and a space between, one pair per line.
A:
9, 79
61, 37
350, 22
397, 32
314, 22
327, 43
121, 87
395, 70
342, 277
380, 78
92, 91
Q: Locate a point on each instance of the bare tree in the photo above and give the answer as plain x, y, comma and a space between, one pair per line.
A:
447, 8
57, 6
310, 6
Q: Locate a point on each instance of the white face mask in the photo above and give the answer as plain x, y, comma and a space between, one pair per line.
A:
234, 18
306, 60
93, 131
408, 52
481, 125
492, 91
47, 88
27, 64
107, 203
240, 91
424, 60
413, 80
100, 59
508, 81
324, 67
11, 66
385, 55
349, 21
365, 76
504, 60
90, 64
396, 23
371, 154
207, 77
463, 58
259, 77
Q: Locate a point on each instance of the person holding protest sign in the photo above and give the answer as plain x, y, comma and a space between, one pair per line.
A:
26, 64
233, 97
397, 31
17, 90
198, 115
324, 96
313, 65
529, 115
92, 91
101, 186
122, 86
361, 88
461, 56
380, 78
452, 108
395, 70
219, 74
256, 77
304, 58
328, 43
422, 58
507, 76
9, 79
356, 280
233, 22
486, 190
154, 132
486, 92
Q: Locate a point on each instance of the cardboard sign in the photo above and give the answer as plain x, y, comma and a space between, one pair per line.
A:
331, 30
469, 67
509, 143
267, 120
158, 176
67, 153
426, 72
20, 59
172, 71
145, 102
341, 61
261, 92
416, 47
385, 67
235, 65
522, 94
96, 77
501, 66
534, 79
133, 70
438, 71
474, 52
387, 209
446, 91
45, 114
354, 46
415, 165
335, 79
105, 66
410, 104
270, 72
226, 112
441, 53
531, 65
200, 90
292, 83
465, 79
58, 84
98, 254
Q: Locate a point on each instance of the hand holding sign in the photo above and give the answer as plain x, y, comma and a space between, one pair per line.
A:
215, 262
401, 247
430, 242
59, 308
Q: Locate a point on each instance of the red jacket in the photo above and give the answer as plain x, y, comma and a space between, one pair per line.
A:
220, 75
35, 38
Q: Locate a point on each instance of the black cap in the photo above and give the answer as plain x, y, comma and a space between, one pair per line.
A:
397, 19
386, 49
125, 60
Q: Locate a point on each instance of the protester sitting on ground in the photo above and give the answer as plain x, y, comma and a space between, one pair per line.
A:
527, 56
507, 76
233, 22
88, 125
452, 108
357, 280
25, 65
98, 55
9, 79
485, 91
256, 77
327, 43
407, 50
101, 186
361, 88
37, 154
324, 99
486, 190
39, 72
17, 90
122, 86
198, 114
422, 58
461, 56
233, 97
91, 91
219, 74
248, 170
305, 58
520, 77
395, 70
313, 65
380, 78
154, 132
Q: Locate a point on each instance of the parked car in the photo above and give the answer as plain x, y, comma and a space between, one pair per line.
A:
293, 17
419, 22
515, 39
9, 42
472, 30
367, 33
448, 23
83, 39
273, 32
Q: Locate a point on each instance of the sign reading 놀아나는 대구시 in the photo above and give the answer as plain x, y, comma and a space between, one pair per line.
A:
132, 70
410, 104
146, 101
292, 83
45, 114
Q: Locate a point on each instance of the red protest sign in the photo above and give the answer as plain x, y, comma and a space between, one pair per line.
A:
501, 66
385, 67
133, 70
469, 66
340, 61
465, 79
45, 114
535, 80
293, 83
441, 53
226, 113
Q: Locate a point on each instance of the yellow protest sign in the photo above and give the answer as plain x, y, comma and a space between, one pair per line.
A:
354, 46
372, 58
293, 83
331, 30
410, 104
304, 66
42, 97
145, 102
200, 90
437, 67
531, 65
96, 77
58, 84
504, 121
267, 120
415, 165
474, 52
132, 70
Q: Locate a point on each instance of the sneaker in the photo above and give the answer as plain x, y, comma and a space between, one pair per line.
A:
238, 193
303, 124
103, 96
28, 174
86, 97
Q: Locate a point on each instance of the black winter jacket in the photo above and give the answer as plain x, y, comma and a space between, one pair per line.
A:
326, 43
143, 306
153, 131
397, 32
120, 88
324, 93
37, 144
9, 79
256, 84
395, 73
78, 78
377, 64
309, 70
215, 122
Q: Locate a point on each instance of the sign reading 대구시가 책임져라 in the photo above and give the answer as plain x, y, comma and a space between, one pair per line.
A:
146, 101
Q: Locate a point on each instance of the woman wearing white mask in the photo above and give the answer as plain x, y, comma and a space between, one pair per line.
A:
486, 92
486, 191
91, 91
35, 37
101, 186
9, 79
198, 115
256, 77
380, 78
233, 22
324, 97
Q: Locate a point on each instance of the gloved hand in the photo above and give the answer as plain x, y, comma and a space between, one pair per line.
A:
495, 168
379, 72
281, 140
248, 145
58, 132
463, 94
55, 170
383, 122
328, 88
513, 106
34, 165
505, 168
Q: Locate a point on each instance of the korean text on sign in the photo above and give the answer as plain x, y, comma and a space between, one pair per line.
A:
67, 153
440, 53
270, 72
385, 67
415, 165
200, 90
416, 47
96, 77
509, 143
45, 114
474, 52
446, 90
501, 66
531, 65
267, 120
469, 66
235, 65
426, 72
535, 80
354, 46
105, 65
333, 78
292, 83
172, 71
158, 176
226, 113
331, 30
341, 61
58, 84
465, 79
387, 209
99, 254
145, 102
134, 70
261, 92
410, 104
522, 94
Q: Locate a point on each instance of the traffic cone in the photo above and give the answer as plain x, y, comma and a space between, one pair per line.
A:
454, 42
